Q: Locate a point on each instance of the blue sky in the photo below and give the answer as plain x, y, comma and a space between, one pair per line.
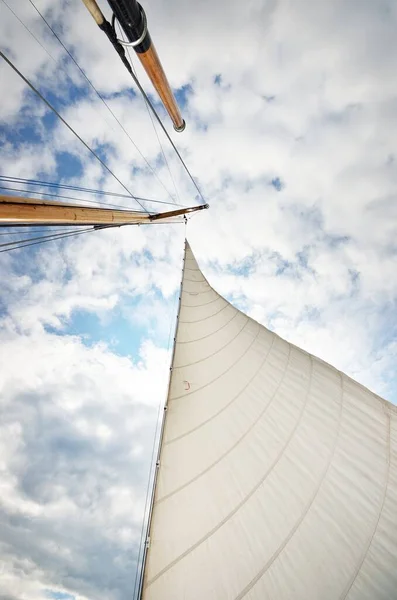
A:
291, 127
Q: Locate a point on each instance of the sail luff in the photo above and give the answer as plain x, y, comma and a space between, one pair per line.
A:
160, 442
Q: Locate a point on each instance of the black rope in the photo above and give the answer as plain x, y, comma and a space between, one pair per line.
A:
51, 107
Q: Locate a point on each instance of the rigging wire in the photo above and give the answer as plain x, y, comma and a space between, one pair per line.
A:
17, 244
167, 135
32, 182
87, 80
54, 110
119, 206
152, 464
45, 239
120, 50
149, 112
29, 232
27, 29
158, 457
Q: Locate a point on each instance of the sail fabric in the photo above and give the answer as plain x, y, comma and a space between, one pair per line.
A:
278, 473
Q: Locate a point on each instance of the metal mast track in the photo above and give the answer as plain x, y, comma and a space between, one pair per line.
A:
19, 211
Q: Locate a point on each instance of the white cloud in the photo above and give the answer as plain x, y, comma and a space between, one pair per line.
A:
76, 440
307, 94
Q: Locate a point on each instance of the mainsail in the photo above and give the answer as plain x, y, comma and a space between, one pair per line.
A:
278, 473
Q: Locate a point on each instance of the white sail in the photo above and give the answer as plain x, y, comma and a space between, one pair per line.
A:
278, 473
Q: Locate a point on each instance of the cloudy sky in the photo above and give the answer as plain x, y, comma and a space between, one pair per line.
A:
291, 112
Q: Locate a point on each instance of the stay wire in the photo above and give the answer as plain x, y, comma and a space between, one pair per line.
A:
87, 80
54, 110
46, 239
151, 116
59, 228
27, 28
120, 50
105, 204
152, 464
40, 238
33, 182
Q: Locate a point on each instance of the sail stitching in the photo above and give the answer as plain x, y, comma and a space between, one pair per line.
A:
387, 477
247, 497
212, 332
209, 317
216, 351
191, 293
224, 372
255, 580
237, 442
204, 303
196, 280
231, 401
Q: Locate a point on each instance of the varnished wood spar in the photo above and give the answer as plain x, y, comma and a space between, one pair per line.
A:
178, 213
95, 11
16, 210
154, 69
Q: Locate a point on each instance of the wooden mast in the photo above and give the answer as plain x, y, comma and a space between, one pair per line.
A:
16, 210
132, 19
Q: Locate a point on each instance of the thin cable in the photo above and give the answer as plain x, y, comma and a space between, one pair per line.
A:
167, 135
137, 83
89, 83
27, 28
161, 436
3, 187
40, 238
7, 179
48, 239
28, 232
152, 462
151, 119
50, 106
111, 34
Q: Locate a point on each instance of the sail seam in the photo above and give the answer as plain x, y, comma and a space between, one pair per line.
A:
197, 281
241, 438
210, 316
212, 332
224, 372
231, 401
245, 500
387, 477
204, 303
191, 293
216, 351
255, 580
